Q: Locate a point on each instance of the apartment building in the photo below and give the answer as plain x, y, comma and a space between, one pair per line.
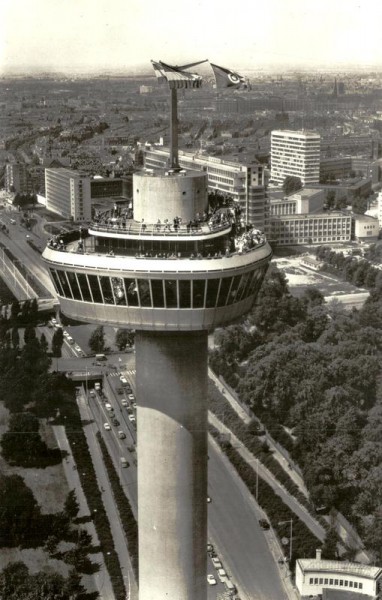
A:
68, 194
243, 182
295, 153
17, 178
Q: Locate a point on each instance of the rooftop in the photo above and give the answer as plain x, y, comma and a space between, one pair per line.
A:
350, 568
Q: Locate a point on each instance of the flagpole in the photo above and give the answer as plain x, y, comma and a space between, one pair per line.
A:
174, 153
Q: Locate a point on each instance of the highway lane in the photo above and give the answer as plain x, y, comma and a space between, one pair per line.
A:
235, 532
18, 245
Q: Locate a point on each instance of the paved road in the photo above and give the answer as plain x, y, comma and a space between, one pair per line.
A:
235, 531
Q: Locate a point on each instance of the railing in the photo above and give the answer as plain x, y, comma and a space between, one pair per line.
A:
162, 229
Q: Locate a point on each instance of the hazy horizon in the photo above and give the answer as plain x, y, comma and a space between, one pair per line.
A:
87, 37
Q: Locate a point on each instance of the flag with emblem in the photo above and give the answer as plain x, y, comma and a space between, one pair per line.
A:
176, 77
227, 78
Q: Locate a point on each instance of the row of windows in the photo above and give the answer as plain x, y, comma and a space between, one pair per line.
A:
340, 582
157, 293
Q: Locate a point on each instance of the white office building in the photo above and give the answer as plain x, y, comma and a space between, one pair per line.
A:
68, 194
295, 153
243, 182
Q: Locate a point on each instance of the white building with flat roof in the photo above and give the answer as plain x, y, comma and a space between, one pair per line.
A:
295, 153
315, 575
67, 193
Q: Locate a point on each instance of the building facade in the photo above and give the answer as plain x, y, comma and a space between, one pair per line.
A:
318, 228
68, 194
366, 228
295, 153
315, 575
244, 183
17, 178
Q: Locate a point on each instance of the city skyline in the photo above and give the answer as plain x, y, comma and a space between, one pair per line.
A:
87, 37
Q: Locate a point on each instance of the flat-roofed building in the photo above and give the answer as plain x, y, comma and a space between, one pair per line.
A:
295, 153
68, 194
243, 182
317, 228
313, 576
366, 228
17, 178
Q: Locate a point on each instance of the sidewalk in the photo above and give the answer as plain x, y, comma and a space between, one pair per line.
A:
99, 581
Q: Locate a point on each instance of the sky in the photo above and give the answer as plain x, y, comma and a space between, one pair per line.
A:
74, 36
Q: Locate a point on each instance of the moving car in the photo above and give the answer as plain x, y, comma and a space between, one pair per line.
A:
124, 462
124, 402
107, 426
116, 422
108, 406
121, 435
211, 580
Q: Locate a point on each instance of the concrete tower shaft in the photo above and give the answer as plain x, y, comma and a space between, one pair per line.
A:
172, 455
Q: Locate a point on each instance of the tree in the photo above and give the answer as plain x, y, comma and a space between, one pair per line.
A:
29, 334
19, 512
57, 341
43, 343
123, 338
71, 506
15, 309
291, 184
15, 337
330, 198
329, 549
97, 340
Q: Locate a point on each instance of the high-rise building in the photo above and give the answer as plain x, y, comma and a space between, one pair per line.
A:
295, 153
243, 182
172, 272
17, 178
68, 194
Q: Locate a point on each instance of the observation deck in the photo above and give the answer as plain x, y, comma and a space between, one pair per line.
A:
176, 273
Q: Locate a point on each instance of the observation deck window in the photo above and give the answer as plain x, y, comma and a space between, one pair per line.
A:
57, 283
224, 290
198, 291
74, 285
184, 293
171, 293
95, 288
132, 292
64, 284
212, 292
84, 286
157, 292
118, 290
144, 292
106, 290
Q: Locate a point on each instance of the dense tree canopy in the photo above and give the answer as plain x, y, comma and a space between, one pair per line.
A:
312, 369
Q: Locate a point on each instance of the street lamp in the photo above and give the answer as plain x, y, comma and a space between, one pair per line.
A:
290, 521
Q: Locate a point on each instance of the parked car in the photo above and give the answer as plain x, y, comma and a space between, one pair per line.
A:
264, 524
131, 397
124, 402
116, 422
108, 406
121, 435
216, 562
124, 462
132, 418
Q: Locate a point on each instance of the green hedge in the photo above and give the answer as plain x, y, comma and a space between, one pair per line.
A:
81, 455
129, 523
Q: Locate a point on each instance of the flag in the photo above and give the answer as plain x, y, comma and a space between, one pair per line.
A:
226, 78
175, 76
